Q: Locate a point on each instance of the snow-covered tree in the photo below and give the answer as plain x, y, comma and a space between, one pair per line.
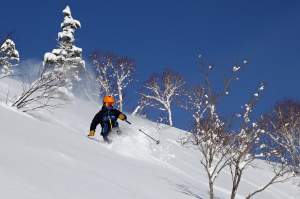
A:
283, 127
104, 72
114, 74
236, 148
66, 60
211, 138
142, 103
123, 72
247, 145
244, 142
9, 57
60, 68
210, 133
160, 91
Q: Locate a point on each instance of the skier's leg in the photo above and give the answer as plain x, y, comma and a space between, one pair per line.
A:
116, 127
116, 124
105, 131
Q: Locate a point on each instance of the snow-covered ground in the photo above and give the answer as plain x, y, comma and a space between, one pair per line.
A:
47, 155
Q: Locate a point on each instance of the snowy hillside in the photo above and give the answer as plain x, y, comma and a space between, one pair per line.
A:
49, 156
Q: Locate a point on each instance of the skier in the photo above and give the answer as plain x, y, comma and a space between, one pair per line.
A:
107, 118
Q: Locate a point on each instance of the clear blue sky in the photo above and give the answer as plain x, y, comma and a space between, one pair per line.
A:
171, 33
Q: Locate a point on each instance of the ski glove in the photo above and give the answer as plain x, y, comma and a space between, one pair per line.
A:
91, 133
122, 117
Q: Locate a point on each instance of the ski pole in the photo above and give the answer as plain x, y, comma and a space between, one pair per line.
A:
156, 141
128, 122
140, 130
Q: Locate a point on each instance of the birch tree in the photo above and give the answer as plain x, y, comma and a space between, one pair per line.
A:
245, 140
160, 91
283, 126
253, 141
210, 133
142, 103
222, 146
210, 137
104, 74
123, 71
114, 74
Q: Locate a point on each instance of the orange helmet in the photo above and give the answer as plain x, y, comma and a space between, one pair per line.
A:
108, 99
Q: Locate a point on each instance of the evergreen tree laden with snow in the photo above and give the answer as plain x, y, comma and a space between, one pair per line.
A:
9, 57
66, 60
61, 67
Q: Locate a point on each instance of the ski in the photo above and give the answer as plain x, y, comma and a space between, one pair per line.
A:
96, 140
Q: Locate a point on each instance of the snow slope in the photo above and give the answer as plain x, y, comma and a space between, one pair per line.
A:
47, 155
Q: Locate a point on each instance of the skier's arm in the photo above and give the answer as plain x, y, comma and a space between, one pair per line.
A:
121, 115
96, 121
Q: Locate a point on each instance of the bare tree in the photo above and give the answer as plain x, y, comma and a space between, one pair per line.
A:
104, 72
280, 146
210, 137
283, 126
247, 146
44, 93
279, 164
201, 97
160, 91
244, 142
142, 103
221, 146
114, 74
210, 133
215, 141
123, 71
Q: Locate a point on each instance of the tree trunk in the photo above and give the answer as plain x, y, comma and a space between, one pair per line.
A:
137, 108
236, 182
120, 98
211, 189
170, 116
233, 193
